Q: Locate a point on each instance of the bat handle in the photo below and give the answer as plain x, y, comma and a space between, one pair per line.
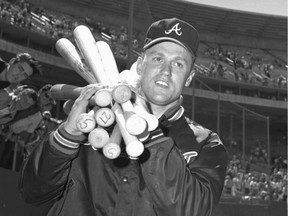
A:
134, 147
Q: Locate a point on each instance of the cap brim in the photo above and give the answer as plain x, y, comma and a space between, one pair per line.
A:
161, 39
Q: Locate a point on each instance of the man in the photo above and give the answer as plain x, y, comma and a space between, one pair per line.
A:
19, 68
181, 171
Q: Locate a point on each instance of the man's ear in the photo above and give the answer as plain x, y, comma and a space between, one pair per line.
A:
189, 78
139, 65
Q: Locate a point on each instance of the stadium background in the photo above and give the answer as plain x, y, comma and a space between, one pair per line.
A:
245, 104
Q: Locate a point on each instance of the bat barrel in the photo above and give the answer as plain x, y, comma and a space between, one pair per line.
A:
65, 92
69, 52
87, 45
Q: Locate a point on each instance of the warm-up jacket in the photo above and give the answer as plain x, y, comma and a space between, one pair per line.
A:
180, 173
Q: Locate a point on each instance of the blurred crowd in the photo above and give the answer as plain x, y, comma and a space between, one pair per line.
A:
247, 67
247, 179
56, 26
249, 184
30, 110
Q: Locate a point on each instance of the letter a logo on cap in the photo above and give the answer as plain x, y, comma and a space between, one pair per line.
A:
176, 29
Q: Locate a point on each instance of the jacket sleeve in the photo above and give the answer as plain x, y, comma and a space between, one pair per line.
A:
44, 173
178, 188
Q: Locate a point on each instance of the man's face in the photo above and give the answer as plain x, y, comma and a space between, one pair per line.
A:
165, 69
18, 72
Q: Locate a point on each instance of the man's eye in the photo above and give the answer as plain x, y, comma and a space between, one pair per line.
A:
156, 59
178, 64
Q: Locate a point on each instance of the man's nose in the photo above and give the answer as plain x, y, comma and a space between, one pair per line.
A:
167, 68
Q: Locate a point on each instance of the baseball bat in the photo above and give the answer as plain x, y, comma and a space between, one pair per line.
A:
87, 45
69, 52
98, 62
121, 93
86, 121
101, 61
67, 106
133, 79
102, 97
65, 92
141, 110
104, 117
131, 76
98, 138
136, 125
134, 147
112, 149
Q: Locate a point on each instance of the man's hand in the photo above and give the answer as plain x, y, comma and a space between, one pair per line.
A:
80, 106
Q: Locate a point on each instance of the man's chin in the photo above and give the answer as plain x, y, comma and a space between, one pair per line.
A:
160, 101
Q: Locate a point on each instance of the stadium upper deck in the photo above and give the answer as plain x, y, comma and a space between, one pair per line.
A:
209, 20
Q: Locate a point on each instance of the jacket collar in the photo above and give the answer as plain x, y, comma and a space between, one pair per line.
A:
172, 114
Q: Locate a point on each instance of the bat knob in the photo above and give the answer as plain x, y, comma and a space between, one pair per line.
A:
98, 138
103, 98
134, 148
152, 121
104, 117
135, 125
121, 93
111, 150
85, 122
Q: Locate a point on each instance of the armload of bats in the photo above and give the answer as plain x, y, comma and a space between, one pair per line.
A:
111, 105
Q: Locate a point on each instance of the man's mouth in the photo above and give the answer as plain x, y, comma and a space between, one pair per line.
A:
162, 83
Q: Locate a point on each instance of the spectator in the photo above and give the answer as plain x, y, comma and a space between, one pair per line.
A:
19, 68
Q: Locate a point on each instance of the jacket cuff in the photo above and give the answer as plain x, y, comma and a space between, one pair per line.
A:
66, 142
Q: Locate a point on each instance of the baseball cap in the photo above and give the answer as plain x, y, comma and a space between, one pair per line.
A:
175, 30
